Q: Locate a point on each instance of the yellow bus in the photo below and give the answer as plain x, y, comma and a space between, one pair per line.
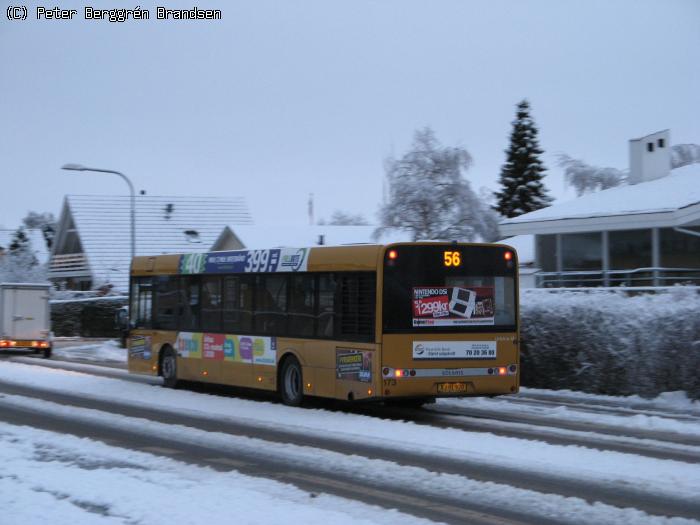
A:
406, 321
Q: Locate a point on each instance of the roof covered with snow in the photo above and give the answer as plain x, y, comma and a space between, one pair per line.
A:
163, 225
668, 201
36, 240
525, 247
255, 237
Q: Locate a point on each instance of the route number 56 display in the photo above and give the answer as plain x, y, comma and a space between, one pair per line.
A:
452, 258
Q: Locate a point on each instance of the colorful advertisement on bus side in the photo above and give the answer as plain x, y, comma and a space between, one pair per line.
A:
246, 261
140, 347
250, 349
353, 365
453, 306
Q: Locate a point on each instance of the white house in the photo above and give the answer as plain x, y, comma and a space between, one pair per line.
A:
92, 244
644, 233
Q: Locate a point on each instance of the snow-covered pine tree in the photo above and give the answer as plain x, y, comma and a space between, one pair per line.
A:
522, 190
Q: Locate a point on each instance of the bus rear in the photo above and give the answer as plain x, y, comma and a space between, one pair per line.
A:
449, 320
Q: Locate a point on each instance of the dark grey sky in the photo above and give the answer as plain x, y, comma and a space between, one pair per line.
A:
280, 99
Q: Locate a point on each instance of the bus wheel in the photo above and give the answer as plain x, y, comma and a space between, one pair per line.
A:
168, 368
291, 384
47, 353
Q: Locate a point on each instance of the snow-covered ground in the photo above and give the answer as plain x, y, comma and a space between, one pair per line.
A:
56, 479
105, 352
662, 477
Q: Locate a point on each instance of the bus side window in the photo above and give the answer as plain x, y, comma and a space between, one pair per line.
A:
189, 303
141, 302
230, 300
211, 303
302, 305
326, 305
271, 304
166, 297
356, 306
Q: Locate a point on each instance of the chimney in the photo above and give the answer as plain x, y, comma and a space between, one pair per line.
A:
650, 157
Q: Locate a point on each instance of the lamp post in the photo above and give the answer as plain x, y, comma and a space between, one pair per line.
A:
79, 167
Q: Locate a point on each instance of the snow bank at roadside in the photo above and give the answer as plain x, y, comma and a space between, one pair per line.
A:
107, 351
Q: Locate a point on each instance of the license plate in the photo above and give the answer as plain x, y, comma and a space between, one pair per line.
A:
451, 388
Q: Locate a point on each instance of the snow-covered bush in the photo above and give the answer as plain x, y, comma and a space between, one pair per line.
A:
611, 343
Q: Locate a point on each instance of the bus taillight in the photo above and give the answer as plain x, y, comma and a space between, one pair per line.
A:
502, 370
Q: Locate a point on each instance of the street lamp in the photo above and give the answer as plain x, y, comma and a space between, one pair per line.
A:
79, 167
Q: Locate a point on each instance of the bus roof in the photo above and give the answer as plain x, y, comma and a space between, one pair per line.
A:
355, 257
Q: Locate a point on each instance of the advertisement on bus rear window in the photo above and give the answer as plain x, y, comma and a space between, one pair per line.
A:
453, 306
353, 365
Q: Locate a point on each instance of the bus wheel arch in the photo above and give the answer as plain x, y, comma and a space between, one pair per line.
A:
290, 380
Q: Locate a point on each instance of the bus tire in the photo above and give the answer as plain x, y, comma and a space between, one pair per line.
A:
47, 353
291, 382
168, 367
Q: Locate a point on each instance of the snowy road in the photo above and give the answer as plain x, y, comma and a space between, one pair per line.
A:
534, 458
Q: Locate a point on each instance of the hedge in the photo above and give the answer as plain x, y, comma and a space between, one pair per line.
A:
607, 342
94, 317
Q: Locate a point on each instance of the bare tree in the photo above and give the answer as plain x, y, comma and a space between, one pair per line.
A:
429, 197
341, 218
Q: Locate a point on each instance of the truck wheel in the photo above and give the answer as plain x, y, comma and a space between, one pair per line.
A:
47, 353
168, 368
291, 382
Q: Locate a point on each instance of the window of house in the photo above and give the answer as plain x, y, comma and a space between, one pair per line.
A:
650, 146
661, 143
630, 249
582, 251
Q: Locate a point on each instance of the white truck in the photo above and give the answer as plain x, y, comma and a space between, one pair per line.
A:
25, 318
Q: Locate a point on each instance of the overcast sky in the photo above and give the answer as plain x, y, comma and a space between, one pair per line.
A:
281, 99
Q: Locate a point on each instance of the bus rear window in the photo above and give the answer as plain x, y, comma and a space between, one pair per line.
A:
449, 288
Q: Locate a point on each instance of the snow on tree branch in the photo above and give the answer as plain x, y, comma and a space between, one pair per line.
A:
585, 178
684, 154
429, 197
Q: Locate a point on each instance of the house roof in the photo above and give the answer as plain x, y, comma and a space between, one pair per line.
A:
525, 247
254, 237
163, 225
673, 200
36, 240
